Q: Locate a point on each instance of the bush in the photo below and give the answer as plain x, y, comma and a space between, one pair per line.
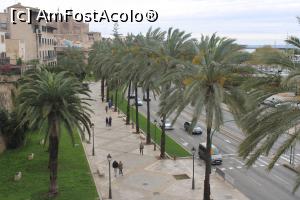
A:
14, 134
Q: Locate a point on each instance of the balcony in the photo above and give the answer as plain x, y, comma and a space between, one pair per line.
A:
4, 61
49, 58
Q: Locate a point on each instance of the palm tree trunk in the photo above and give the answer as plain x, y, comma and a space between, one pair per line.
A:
206, 193
128, 105
137, 127
148, 117
53, 156
116, 100
107, 92
163, 138
102, 89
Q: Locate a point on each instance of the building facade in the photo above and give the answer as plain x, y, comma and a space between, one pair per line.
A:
28, 42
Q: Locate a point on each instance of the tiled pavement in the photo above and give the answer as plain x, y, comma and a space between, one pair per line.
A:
145, 177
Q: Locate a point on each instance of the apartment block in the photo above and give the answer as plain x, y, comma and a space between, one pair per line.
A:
29, 42
73, 33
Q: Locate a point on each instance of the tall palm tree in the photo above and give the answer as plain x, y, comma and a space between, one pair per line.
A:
53, 100
207, 83
174, 51
264, 126
150, 80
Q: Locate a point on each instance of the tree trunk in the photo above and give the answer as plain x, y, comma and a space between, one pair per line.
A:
107, 92
128, 105
148, 118
116, 100
53, 156
206, 192
102, 89
163, 138
137, 127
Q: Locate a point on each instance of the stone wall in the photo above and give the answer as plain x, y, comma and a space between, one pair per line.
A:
7, 85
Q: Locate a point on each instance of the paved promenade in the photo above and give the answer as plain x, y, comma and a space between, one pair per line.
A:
145, 176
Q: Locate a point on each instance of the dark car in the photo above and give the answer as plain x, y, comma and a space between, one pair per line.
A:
196, 131
216, 157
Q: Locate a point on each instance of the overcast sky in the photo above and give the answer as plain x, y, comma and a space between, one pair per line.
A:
248, 21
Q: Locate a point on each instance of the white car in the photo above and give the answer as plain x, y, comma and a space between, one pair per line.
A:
139, 102
168, 125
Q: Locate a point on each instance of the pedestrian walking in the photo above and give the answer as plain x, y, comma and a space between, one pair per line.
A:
106, 120
109, 103
115, 165
141, 148
106, 109
120, 165
109, 121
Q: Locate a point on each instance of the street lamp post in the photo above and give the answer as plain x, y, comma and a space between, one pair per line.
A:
93, 149
155, 123
193, 179
109, 176
132, 124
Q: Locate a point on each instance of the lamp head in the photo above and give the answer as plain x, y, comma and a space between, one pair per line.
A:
193, 150
109, 157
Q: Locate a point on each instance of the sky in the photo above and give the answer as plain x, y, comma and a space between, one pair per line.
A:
254, 22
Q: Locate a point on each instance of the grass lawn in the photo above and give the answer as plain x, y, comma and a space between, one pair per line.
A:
172, 147
74, 177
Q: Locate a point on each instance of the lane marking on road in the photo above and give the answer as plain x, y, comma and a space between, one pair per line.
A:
261, 160
240, 162
223, 169
228, 141
229, 154
262, 165
281, 180
254, 166
185, 144
239, 167
282, 157
230, 168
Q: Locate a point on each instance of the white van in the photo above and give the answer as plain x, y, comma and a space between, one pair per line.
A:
216, 157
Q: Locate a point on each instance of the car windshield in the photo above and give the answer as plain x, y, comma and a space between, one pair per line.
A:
214, 151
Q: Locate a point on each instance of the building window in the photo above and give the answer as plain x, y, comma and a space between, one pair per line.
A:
2, 39
3, 26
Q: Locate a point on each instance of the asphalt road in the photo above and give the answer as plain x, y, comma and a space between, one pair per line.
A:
256, 182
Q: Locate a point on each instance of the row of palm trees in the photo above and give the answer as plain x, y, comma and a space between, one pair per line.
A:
184, 72
204, 74
181, 70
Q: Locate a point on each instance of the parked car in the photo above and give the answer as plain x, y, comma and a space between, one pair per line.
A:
196, 131
216, 157
139, 102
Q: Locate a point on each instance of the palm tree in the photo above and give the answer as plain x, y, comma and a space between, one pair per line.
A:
211, 80
264, 126
174, 51
53, 100
72, 60
150, 80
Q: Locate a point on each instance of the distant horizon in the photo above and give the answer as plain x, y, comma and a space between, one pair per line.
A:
255, 22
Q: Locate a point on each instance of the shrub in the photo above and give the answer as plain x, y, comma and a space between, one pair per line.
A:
14, 134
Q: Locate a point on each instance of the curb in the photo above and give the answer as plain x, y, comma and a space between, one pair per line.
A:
290, 167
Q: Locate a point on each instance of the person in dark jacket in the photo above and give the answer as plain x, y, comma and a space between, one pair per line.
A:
109, 121
115, 165
106, 121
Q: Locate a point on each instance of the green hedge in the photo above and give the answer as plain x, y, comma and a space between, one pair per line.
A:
172, 147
